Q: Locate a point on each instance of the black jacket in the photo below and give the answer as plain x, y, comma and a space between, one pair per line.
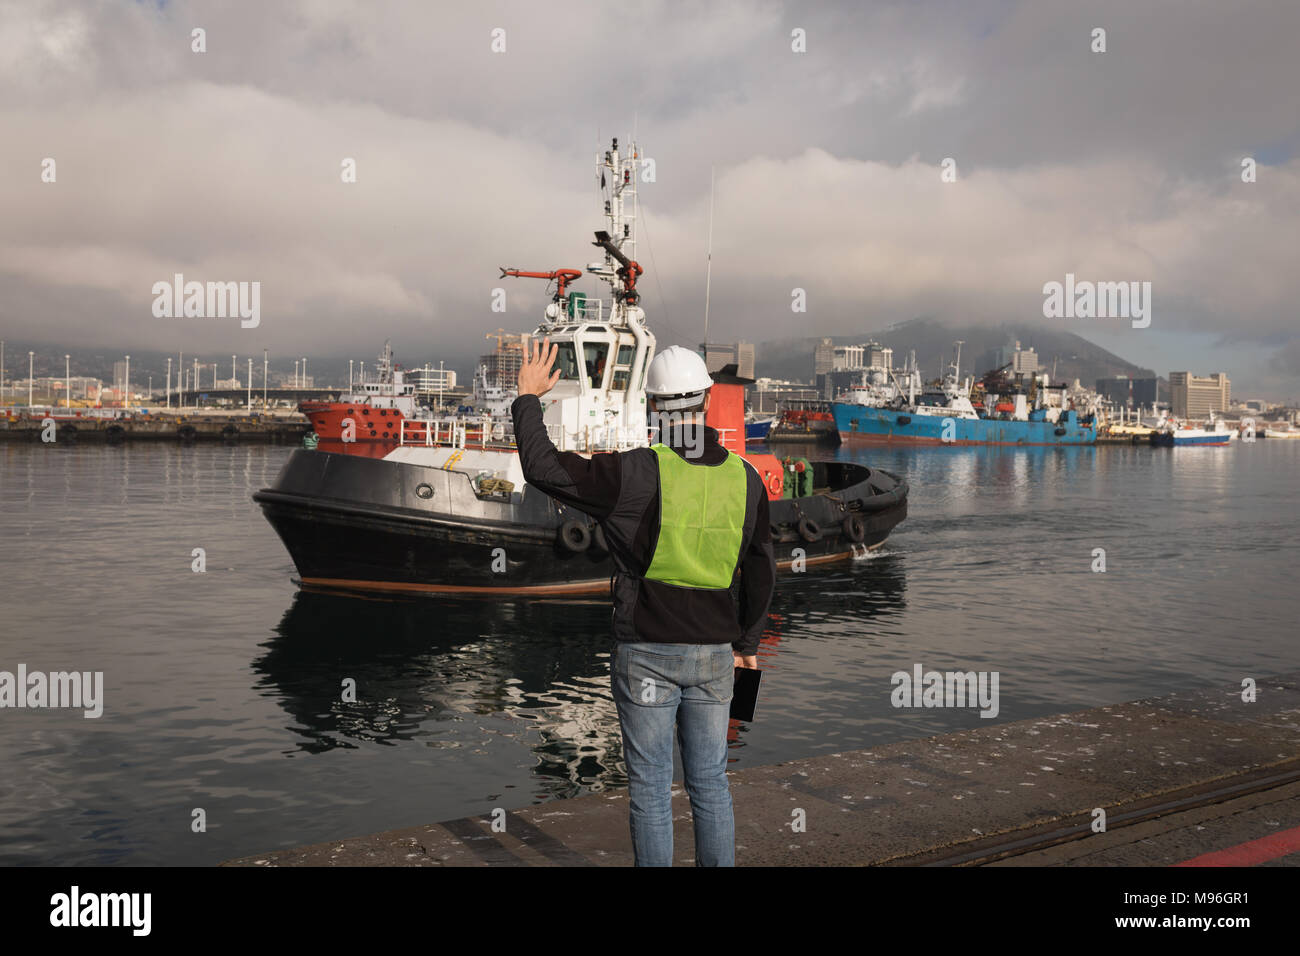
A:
621, 491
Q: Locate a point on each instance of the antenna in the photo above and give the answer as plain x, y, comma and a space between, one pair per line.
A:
708, 274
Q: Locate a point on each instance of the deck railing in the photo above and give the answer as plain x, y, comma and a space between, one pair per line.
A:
497, 434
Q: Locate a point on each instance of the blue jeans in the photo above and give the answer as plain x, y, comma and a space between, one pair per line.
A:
690, 685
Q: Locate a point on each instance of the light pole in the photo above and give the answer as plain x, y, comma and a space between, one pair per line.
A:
197, 384
67, 381
126, 396
180, 381
442, 380
2, 371
169, 382
250, 383
349, 372
30, 373
263, 379
295, 373
304, 371
233, 374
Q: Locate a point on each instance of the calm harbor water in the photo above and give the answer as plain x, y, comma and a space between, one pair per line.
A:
222, 689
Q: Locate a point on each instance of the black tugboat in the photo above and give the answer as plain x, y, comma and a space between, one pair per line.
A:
448, 509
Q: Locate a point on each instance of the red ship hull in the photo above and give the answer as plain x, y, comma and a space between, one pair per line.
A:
372, 427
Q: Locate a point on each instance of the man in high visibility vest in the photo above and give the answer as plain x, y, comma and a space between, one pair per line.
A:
686, 523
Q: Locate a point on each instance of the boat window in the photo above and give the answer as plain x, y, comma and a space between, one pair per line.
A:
625, 353
594, 355
565, 361
621, 377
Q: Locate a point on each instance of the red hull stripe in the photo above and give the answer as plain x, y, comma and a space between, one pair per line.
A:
857, 438
573, 587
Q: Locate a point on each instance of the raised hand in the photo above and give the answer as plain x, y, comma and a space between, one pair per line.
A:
535, 375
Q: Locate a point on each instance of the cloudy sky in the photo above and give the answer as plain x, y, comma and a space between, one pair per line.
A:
1122, 165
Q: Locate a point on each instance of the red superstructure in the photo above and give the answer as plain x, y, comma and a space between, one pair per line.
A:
727, 414
368, 420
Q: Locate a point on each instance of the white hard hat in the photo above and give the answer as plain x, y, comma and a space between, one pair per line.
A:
676, 378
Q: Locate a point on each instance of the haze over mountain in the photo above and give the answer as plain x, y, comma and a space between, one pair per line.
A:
933, 341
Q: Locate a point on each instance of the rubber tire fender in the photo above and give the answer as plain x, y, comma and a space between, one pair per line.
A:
855, 529
809, 530
574, 536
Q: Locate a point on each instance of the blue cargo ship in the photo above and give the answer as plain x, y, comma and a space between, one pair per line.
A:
890, 411
859, 424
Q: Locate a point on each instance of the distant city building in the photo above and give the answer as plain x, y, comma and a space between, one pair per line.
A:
823, 357
836, 367
53, 390
767, 392
1117, 389
502, 365
876, 355
739, 353
1194, 396
1024, 361
1129, 392
430, 381
848, 357
1012, 357
119, 376
1146, 392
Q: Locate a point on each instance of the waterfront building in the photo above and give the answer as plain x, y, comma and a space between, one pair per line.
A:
767, 393
431, 382
1195, 396
740, 354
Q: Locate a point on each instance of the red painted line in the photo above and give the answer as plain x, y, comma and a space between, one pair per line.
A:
1252, 853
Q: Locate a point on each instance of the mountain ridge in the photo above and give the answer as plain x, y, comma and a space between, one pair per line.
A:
933, 341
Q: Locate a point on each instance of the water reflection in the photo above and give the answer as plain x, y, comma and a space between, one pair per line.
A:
539, 670
423, 666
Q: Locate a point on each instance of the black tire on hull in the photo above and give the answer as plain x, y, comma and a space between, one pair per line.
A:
809, 530
574, 536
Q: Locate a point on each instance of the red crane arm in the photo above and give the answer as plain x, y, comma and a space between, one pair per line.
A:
562, 276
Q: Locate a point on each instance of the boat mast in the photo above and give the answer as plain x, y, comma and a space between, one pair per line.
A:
708, 272
618, 178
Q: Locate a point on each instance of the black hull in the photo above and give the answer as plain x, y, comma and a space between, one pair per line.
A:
359, 524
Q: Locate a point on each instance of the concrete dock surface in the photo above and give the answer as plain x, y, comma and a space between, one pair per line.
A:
1199, 778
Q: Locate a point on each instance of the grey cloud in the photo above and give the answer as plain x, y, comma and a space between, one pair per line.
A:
225, 165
